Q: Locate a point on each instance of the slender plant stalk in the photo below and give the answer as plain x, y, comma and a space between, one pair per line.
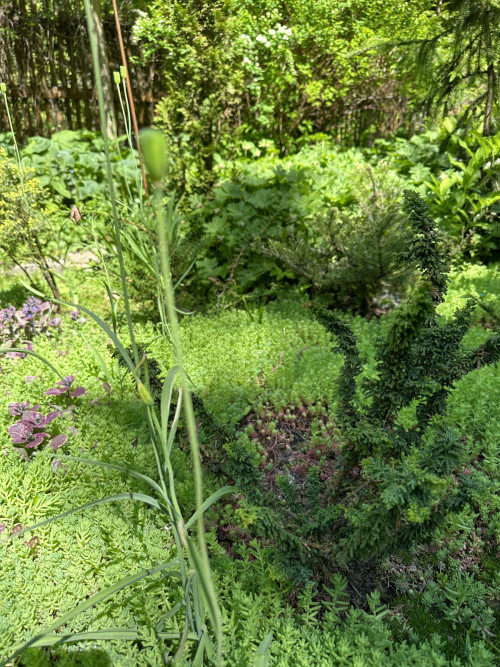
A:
94, 47
130, 96
16, 148
187, 402
125, 107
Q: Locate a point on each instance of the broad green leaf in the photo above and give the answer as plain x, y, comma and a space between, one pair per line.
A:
58, 185
456, 163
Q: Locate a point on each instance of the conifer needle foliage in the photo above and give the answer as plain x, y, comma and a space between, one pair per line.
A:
386, 482
405, 487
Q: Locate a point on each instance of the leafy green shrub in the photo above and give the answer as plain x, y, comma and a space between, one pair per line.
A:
25, 225
350, 254
313, 218
70, 170
244, 77
408, 470
70, 166
465, 199
460, 175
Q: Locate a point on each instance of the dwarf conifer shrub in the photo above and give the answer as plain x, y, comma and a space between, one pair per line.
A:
382, 471
407, 480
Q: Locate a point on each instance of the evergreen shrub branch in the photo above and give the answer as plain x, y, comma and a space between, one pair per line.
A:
381, 483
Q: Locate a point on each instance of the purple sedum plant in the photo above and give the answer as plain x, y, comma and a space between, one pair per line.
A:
38, 420
18, 409
26, 431
22, 434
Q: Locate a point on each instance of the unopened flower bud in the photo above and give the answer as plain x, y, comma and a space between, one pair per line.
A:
144, 394
155, 153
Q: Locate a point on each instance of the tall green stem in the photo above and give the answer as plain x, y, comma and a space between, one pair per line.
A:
94, 47
187, 402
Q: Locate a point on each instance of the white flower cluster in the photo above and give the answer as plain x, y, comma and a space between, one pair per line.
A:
492, 163
138, 27
281, 32
263, 40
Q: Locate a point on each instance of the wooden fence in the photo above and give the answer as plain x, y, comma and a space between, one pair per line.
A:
46, 65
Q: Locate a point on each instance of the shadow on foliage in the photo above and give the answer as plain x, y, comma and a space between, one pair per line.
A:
65, 657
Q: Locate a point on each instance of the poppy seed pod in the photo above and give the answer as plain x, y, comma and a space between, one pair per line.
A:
144, 394
155, 153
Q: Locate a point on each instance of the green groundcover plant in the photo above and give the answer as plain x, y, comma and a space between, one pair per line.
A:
86, 551
384, 469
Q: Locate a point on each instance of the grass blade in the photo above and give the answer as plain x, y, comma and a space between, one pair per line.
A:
207, 587
110, 466
100, 322
210, 501
92, 600
123, 634
175, 421
5, 350
200, 653
98, 357
129, 495
166, 397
